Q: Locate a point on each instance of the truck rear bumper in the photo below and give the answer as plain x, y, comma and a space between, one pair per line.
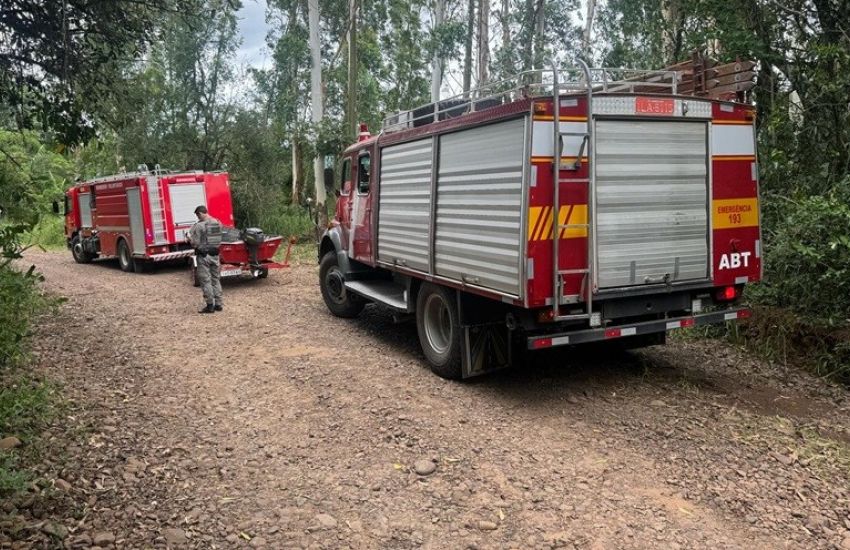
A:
168, 256
634, 329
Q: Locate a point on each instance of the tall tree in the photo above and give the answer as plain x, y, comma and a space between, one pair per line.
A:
317, 105
483, 42
351, 88
437, 61
588, 30
58, 60
467, 46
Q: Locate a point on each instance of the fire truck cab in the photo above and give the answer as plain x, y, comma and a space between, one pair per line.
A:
570, 206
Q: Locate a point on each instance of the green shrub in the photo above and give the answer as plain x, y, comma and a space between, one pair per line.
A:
48, 233
26, 405
807, 255
20, 298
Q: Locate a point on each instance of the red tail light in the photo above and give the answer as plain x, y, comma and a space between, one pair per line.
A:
727, 294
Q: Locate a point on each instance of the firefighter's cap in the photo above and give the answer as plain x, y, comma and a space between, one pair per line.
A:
201, 210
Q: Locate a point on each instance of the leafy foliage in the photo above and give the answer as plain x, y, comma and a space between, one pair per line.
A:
20, 299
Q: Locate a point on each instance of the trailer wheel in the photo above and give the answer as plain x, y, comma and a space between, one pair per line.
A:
438, 325
332, 284
193, 273
78, 252
125, 258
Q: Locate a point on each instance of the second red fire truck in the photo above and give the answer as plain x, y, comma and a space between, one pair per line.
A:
576, 206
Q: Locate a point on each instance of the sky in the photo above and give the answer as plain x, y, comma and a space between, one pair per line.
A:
253, 29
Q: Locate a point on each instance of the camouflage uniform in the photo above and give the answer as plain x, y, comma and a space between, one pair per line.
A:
209, 267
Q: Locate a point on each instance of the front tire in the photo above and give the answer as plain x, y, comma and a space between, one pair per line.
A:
125, 258
332, 283
77, 251
438, 325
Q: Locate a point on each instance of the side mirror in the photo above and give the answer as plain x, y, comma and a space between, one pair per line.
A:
55, 207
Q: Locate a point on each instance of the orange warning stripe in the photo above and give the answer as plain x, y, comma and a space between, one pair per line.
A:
750, 158
562, 118
541, 222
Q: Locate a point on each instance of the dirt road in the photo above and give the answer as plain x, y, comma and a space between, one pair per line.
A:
274, 424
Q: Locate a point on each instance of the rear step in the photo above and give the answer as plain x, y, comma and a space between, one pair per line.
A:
388, 293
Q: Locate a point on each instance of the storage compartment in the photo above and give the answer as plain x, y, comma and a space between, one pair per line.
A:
479, 206
651, 202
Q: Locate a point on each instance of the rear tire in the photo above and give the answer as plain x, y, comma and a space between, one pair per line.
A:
438, 325
77, 251
332, 283
125, 257
193, 273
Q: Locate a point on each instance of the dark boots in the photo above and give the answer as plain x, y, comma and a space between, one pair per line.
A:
210, 308
218, 307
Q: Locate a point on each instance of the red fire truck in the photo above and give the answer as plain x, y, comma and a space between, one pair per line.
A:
568, 206
141, 217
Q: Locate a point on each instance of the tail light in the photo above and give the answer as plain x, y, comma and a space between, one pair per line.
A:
727, 293
545, 315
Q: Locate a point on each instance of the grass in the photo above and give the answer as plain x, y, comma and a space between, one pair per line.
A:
48, 233
26, 406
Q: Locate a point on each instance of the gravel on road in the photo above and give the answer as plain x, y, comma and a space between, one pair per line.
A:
273, 424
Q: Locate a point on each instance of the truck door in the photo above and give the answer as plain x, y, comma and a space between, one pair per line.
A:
360, 237
342, 215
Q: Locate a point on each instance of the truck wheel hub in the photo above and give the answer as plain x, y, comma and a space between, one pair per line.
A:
438, 323
336, 285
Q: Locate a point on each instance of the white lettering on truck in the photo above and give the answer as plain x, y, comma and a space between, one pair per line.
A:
735, 260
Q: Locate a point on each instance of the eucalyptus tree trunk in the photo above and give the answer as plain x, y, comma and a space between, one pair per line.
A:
467, 53
588, 30
505, 23
437, 63
317, 106
351, 96
297, 170
483, 42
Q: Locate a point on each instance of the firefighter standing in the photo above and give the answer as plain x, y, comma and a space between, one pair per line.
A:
205, 238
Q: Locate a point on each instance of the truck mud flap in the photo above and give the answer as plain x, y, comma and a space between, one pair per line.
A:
635, 329
486, 348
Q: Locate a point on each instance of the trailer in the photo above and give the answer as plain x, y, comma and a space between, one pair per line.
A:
141, 217
247, 253
561, 207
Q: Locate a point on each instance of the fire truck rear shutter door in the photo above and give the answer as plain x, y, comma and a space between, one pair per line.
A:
479, 205
185, 197
405, 204
651, 193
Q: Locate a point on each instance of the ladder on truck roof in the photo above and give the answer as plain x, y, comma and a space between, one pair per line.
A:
586, 144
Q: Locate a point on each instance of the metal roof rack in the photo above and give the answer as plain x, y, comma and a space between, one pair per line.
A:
142, 171
535, 83
699, 76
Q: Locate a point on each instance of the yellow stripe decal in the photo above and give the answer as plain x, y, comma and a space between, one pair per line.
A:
734, 157
533, 218
563, 159
541, 225
731, 213
562, 119
740, 122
